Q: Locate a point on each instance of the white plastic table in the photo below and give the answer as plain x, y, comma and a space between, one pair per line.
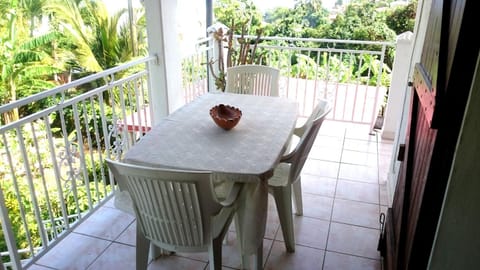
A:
189, 139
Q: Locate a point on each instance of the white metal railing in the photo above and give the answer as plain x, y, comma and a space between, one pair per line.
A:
53, 171
352, 75
194, 70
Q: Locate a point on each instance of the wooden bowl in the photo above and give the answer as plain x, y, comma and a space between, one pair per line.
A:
225, 116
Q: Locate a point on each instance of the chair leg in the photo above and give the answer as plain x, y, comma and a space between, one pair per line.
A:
283, 200
143, 245
215, 254
225, 238
297, 197
244, 258
156, 252
259, 258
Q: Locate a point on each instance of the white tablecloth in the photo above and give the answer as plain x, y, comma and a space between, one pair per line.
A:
189, 139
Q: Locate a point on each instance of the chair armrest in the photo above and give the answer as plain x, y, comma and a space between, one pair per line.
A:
288, 157
225, 190
232, 195
299, 130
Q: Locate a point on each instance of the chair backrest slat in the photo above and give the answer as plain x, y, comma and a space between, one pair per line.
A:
311, 128
172, 206
253, 79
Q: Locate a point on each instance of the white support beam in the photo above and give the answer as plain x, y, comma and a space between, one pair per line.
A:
165, 77
398, 86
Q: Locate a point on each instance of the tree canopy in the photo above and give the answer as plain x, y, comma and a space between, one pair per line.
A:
359, 20
79, 36
82, 36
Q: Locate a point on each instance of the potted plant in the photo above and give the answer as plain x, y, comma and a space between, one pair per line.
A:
240, 51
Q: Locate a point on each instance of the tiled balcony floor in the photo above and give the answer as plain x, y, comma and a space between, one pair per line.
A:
344, 190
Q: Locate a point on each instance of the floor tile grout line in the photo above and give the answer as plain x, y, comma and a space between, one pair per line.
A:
333, 203
99, 255
353, 255
271, 246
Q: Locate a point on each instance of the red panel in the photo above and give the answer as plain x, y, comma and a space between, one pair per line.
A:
425, 92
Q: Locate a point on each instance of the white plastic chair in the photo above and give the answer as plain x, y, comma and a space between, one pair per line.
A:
176, 210
253, 79
287, 173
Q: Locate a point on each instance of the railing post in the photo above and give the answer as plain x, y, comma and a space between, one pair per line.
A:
8, 235
398, 86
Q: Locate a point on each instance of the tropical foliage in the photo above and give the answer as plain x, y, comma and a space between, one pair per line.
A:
305, 19
402, 19
359, 20
51, 195
45, 43
240, 12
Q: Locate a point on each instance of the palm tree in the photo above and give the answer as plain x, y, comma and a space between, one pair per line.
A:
26, 69
33, 9
67, 14
25, 64
94, 33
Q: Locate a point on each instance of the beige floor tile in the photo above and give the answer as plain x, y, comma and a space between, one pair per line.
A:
317, 206
231, 257
325, 153
318, 185
384, 196
359, 158
384, 162
302, 258
356, 213
357, 191
107, 223
74, 252
309, 232
386, 148
321, 168
328, 141
354, 240
38, 267
110, 203
336, 261
273, 222
175, 262
358, 172
360, 145
117, 256
129, 235
360, 132
332, 128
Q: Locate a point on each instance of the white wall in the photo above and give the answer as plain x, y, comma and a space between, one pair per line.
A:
421, 21
396, 94
163, 42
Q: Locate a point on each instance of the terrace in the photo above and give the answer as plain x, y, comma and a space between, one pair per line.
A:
344, 191
57, 182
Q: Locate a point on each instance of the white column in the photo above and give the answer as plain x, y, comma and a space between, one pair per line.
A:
165, 77
421, 21
398, 86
